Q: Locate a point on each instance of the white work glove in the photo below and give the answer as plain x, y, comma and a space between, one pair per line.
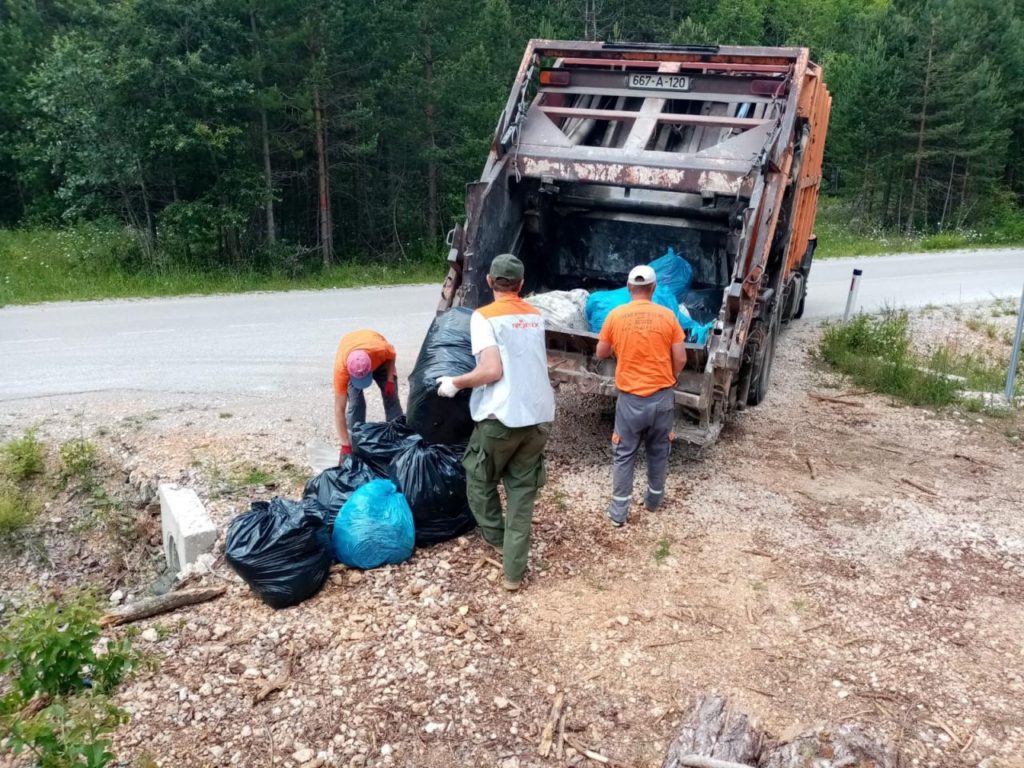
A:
446, 386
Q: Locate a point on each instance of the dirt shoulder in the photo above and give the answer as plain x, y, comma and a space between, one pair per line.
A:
851, 561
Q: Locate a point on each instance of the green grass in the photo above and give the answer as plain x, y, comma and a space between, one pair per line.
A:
78, 461
840, 234
876, 353
663, 550
23, 458
93, 261
18, 510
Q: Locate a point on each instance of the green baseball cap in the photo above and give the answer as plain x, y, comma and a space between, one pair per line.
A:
507, 267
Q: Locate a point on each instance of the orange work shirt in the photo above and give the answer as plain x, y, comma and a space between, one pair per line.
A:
372, 343
642, 334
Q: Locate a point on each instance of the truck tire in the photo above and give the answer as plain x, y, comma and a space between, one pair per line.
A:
763, 358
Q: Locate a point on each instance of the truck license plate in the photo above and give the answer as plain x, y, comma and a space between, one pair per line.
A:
657, 81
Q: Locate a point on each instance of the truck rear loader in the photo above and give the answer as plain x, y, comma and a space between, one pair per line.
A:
607, 154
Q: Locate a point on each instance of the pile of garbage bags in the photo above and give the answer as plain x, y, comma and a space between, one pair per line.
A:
675, 277
402, 487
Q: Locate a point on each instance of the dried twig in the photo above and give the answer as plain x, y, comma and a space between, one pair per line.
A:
547, 736
758, 690
590, 754
700, 761
759, 553
922, 488
667, 643
836, 400
279, 682
810, 467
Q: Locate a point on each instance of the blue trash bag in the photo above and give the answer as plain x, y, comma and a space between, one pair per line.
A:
374, 527
601, 303
281, 550
674, 273
696, 333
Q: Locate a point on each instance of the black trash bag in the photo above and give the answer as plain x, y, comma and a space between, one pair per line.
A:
703, 303
326, 493
433, 481
281, 550
376, 443
446, 351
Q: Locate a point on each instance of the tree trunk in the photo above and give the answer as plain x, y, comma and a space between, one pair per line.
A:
326, 245
268, 176
920, 134
433, 192
949, 194
150, 220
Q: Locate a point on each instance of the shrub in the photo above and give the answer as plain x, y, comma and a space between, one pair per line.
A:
78, 460
17, 511
58, 679
24, 457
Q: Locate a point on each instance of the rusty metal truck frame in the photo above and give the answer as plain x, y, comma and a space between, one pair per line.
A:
733, 135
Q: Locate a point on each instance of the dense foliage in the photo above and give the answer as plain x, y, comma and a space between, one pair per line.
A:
259, 133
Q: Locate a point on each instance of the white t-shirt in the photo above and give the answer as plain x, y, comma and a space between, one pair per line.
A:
522, 396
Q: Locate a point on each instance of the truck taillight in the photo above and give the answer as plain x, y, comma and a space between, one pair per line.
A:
557, 77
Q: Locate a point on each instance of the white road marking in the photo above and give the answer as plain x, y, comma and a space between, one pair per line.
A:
143, 333
249, 325
30, 341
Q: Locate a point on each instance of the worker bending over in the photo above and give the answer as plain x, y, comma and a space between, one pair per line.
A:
363, 357
513, 406
647, 342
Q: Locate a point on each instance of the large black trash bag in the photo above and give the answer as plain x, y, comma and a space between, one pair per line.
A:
281, 550
376, 443
446, 351
327, 492
433, 481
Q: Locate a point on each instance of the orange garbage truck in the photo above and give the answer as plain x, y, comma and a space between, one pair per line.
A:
606, 155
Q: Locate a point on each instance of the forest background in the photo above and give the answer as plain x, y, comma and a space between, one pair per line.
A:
169, 146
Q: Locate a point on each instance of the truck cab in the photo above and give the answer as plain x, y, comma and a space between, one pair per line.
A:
608, 154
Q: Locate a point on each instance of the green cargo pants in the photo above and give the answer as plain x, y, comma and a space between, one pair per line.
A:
514, 456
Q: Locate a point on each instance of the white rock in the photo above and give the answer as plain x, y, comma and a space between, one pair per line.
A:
303, 755
217, 751
500, 702
433, 727
386, 749
116, 596
150, 635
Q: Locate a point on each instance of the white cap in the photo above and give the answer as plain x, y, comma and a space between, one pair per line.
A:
642, 275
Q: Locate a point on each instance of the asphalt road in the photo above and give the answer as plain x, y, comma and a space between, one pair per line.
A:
281, 343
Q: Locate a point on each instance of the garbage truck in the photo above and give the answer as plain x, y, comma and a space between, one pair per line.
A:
608, 154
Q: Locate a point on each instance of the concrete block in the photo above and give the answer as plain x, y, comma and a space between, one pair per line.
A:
188, 531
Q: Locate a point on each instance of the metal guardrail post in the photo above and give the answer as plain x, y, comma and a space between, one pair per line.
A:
1011, 375
851, 299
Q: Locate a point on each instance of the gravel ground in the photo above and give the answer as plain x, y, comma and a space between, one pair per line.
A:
853, 561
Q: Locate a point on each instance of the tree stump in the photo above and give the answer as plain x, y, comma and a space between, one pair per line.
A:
843, 747
713, 730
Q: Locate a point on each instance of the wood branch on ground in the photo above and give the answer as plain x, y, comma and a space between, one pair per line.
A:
918, 486
279, 682
836, 400
154, 606
547, 737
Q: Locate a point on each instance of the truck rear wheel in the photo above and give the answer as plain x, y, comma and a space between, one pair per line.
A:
763, 358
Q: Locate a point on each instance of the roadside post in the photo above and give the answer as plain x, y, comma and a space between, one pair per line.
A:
851, 299
1011, 375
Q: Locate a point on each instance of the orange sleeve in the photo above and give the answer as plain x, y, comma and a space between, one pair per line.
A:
341, 379
608, 330
678, 335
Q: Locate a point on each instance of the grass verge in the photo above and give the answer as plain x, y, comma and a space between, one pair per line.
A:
877, 354
93, 261
841, 234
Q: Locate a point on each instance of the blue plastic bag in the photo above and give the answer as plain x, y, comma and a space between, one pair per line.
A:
374, 527
674, 273
601, 303
696, 333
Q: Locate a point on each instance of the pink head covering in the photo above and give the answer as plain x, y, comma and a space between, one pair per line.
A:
359, 368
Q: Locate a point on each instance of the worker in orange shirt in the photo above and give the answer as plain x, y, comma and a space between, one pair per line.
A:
363, 357
647, 342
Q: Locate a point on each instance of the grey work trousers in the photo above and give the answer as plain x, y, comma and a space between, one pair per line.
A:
355, 413
640, 420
